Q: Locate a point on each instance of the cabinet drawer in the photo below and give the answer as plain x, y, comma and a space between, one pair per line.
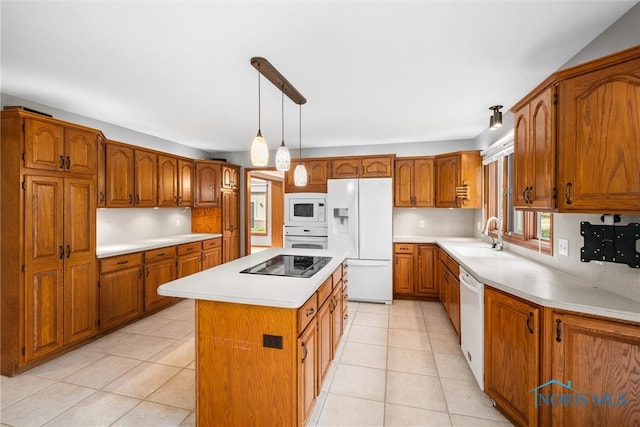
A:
324, 291
453, 266
442, 256
307, 312
337, 276
119, 262
187, 248
159, 254
212, 243
404, 248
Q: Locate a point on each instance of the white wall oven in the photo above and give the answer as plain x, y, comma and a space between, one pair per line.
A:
305, 210
306, 237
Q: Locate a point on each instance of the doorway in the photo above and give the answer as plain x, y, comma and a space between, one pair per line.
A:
264, 209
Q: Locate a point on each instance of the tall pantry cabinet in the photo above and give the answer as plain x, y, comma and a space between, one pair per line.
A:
49, 280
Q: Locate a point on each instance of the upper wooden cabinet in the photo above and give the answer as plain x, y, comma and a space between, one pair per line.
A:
55, 147
316, 177
146, 178
414, 182
102, 178
599, 139
167, 180
362, 167
185, 182
230, 177
535, 152
207, 184
119, 175
459, 180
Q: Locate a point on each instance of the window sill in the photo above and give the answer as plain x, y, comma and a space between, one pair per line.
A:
540, 246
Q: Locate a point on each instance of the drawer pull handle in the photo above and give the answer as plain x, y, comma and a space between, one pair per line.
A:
558, 330
68, 162
61, 253
122, 262
304, 352
68, 251
61, 162
310, 312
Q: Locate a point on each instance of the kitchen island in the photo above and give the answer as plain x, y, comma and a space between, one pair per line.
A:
263, 342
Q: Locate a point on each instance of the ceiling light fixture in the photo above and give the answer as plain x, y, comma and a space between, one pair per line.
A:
300, 172
495, 121
283, 158
259, 147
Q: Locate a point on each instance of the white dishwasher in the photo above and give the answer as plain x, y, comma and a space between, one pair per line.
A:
472, 324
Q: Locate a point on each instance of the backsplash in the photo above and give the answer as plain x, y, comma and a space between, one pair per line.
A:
434, 222
124, 225
618, 278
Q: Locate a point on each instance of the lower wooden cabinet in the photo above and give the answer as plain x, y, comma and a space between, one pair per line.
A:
413, 272
275, 376
596, 363
121, 289
159, 268
448, 287
189, 259
211, 253
512, 355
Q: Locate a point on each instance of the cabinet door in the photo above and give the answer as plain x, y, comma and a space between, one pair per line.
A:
146, 179
189, 264
447, 177
207, 192
403, 183
44, 254
121, 296
211, 258
230, 245
325, 340
425, 270
376, 167
600, 358
80, 276
44, 145
521, 150
317, 170
102, 171
120, 172
511, 345
230, 177
403, 273
423, 178
345, 168
230, 211
307, 373
167, 181
336, 318
185, 183
81, 155
599, 157
156, 274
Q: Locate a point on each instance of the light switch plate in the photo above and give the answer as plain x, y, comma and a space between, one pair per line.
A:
563, 247
421, 223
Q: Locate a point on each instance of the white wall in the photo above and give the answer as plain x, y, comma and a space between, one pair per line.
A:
116, 226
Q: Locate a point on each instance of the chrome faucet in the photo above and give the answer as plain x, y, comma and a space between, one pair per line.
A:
485, 232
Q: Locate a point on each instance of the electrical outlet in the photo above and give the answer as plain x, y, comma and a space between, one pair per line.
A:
563, 247
421, 223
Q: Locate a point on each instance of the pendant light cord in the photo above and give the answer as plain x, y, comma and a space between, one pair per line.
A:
259, 123
300, 135
283, 117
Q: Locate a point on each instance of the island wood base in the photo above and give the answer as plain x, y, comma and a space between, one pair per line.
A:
259, 365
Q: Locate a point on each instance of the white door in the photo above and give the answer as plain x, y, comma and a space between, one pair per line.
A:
342, 215
376, 218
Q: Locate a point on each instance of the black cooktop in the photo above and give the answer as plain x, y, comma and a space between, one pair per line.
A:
289, 266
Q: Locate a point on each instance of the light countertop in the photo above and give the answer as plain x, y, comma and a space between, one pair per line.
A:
225, 282
104, 251
530, 280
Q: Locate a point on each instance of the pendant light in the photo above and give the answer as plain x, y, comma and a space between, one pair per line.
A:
495, 121
283, 158
259, 147
300, 173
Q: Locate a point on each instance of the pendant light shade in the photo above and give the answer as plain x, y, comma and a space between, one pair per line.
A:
300, 172
259, 147
495, 120
283, 158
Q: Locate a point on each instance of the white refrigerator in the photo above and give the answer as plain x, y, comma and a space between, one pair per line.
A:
359, 215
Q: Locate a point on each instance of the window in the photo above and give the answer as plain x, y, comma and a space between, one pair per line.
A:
533, 230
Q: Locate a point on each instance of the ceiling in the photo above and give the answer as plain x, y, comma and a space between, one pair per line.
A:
372, 72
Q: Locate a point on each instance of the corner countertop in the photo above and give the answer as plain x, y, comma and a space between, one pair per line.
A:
532, 281
104, 251
225, 282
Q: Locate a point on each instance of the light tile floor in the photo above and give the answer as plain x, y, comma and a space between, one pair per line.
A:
397, 365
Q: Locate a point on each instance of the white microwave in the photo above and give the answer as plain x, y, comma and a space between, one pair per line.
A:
305, 209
